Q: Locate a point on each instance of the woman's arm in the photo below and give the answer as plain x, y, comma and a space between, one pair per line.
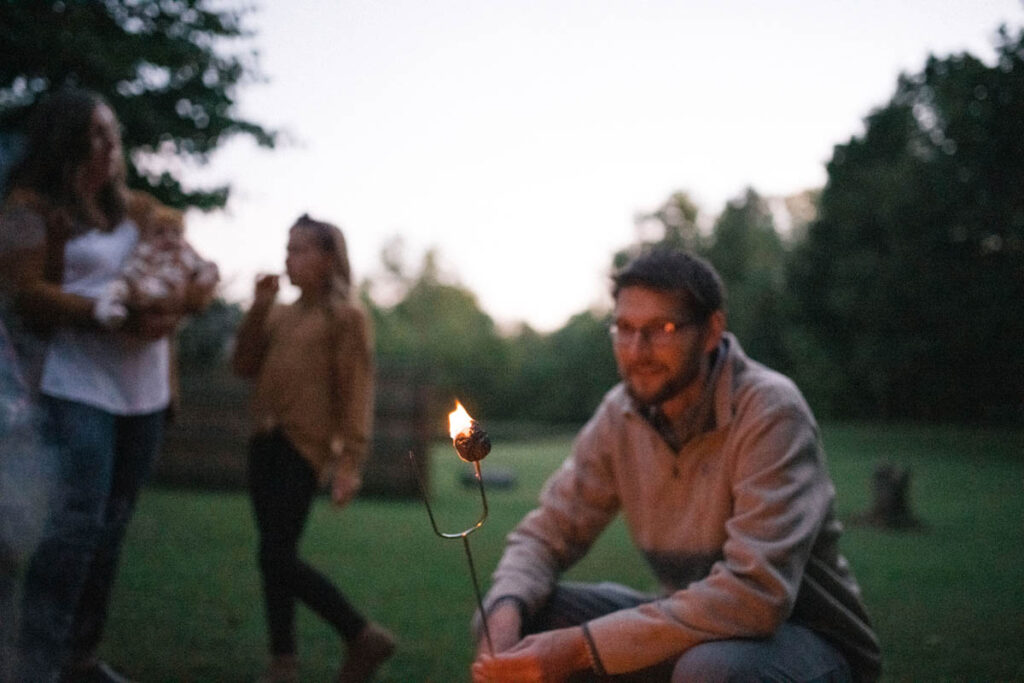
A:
24, 250
43, 303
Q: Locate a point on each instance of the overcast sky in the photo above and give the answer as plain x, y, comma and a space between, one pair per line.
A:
520, 138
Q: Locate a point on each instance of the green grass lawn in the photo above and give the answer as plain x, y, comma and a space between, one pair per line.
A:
948, 600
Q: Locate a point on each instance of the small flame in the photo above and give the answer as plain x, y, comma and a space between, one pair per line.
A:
459, 421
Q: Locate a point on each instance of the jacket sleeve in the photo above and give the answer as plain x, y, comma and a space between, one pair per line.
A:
576, 504
781, 498
251, 341
354, 391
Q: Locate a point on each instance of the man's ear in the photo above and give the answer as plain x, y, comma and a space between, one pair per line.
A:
716, 328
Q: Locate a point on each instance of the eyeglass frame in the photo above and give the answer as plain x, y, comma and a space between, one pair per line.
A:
650, 333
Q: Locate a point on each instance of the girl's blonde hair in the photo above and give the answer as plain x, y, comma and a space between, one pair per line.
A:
329, 238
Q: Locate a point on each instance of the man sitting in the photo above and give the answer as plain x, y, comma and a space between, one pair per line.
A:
715, 462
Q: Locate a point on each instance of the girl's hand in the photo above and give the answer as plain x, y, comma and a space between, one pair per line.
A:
344, 488
265, 290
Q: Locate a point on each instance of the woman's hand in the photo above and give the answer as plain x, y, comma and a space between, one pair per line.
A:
153, 323
199, 292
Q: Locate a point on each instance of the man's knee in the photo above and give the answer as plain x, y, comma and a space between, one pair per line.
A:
793, 653
721, 660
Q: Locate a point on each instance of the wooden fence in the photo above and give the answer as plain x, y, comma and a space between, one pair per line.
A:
206, 444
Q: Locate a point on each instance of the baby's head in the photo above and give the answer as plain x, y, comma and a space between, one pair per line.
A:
166, 227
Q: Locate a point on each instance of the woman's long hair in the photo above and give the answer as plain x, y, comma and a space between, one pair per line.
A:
57, 145
329, 239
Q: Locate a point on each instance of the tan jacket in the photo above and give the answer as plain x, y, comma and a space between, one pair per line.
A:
738, 526
313, 370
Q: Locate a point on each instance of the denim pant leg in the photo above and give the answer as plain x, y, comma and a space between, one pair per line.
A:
136, 446
572, 604
794, 653
26, 479
84, 527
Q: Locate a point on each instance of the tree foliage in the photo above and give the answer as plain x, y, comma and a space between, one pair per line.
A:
435, 330
561, 377
912, 276
748, 253
673, 224
164, 67
438, 332
205, 338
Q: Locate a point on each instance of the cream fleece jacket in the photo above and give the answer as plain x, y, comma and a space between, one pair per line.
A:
738, 526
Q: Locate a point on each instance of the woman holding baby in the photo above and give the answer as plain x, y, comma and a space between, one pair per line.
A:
69, 226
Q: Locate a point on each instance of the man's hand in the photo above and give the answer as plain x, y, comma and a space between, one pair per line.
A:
546, 657
504, 624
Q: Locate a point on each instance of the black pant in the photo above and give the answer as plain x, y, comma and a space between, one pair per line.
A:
282, 485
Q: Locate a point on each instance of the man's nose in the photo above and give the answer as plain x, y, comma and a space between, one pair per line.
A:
637, 345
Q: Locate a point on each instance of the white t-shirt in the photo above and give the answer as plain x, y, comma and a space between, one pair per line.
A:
114, 371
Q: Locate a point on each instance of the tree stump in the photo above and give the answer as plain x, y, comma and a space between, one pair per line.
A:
890, 508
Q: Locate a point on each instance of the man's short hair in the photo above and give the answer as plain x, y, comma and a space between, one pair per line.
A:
677, 272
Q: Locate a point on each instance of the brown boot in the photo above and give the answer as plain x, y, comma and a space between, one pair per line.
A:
369, 650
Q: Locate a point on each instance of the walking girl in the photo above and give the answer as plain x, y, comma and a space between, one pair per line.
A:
312, 407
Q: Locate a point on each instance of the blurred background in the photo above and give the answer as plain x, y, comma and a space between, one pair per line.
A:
854, 170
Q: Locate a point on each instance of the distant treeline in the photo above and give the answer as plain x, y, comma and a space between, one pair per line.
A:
895, 292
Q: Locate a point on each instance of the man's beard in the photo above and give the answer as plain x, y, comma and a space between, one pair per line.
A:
672, 388
675, 385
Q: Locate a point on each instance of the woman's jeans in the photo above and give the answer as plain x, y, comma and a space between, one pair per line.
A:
24, 492
103, 460
282, 485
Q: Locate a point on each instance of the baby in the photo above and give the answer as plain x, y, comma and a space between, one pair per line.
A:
160, 271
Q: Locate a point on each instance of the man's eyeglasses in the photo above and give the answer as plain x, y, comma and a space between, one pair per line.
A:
656, 334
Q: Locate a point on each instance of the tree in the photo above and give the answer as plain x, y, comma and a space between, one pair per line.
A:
205, 338
163, 66
912, 275
748, 253
437, 331
673, 224
561, 377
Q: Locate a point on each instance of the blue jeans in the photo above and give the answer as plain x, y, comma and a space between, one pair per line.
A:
103, 460
793, 653
25, 477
